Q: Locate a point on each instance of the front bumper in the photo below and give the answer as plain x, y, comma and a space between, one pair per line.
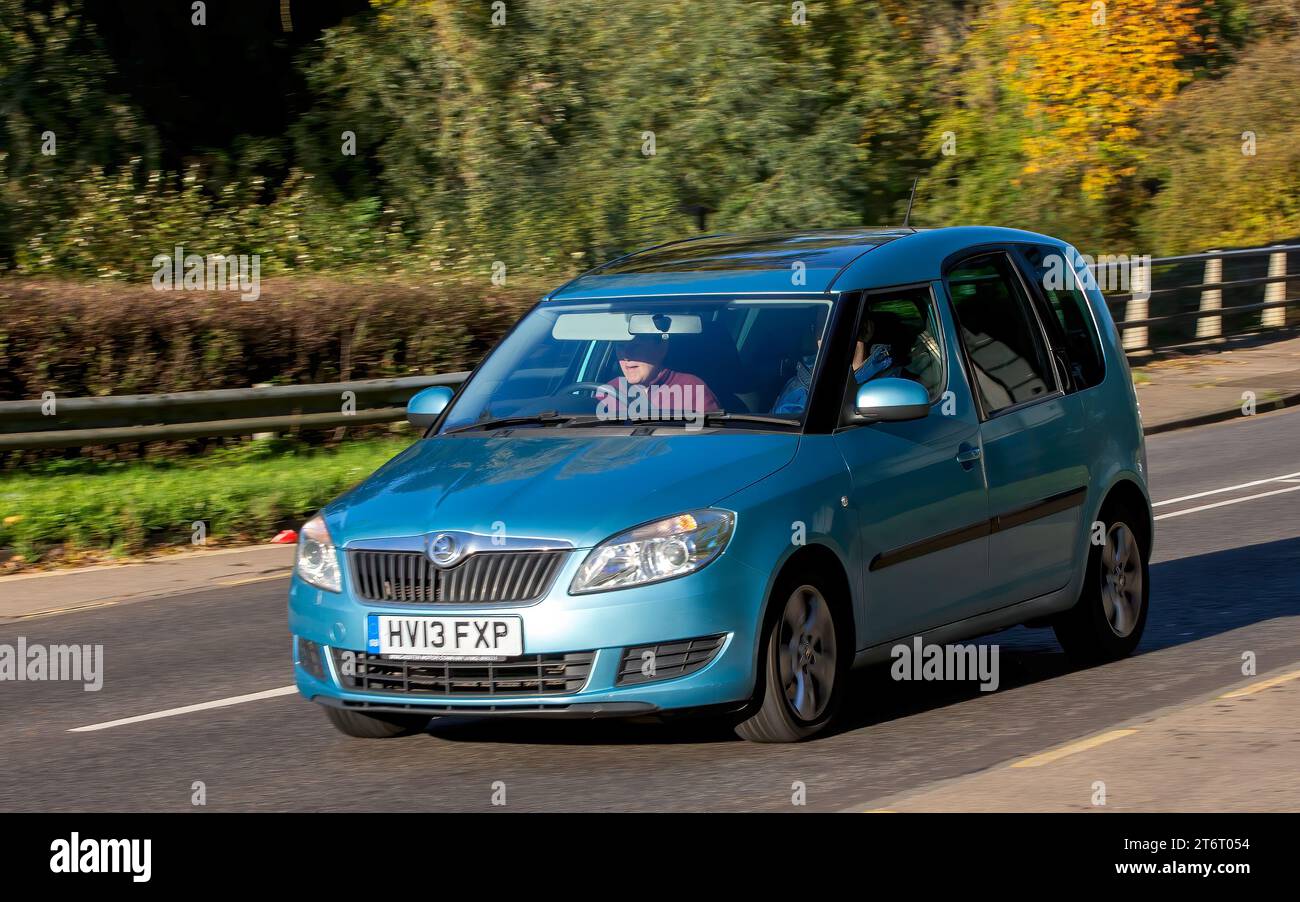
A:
725, 598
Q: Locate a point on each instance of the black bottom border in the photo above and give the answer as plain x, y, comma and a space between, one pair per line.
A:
214, 850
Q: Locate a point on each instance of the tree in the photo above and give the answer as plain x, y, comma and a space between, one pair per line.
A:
1230, 170
1049, 109
569, 133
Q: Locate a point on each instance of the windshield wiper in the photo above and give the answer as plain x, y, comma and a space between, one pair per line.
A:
569, 421
545, 418
722, 416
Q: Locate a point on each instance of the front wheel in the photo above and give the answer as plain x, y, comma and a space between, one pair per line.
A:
1107, 622
375, 726
804, 668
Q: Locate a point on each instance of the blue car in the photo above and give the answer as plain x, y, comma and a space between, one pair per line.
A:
715, 475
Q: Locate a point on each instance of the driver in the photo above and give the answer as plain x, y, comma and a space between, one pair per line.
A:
668, 393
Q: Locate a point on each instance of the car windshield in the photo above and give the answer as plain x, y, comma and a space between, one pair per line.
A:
624, 361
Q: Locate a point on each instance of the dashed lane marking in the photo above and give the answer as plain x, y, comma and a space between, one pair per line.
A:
1206, 507
1228, 488
173, 712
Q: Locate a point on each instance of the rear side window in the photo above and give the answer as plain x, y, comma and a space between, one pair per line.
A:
1003, 340
1070, 322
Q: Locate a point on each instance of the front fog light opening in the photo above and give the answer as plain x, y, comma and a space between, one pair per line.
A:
309, 658
667, 660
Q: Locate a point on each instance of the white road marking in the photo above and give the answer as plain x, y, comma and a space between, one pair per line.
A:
1230, 488
205, 706
1206, 507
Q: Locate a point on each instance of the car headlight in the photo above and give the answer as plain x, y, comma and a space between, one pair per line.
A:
673, 546
317, 562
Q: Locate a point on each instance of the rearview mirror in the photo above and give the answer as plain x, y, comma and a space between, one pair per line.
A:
890, 399
663, 324
427, 405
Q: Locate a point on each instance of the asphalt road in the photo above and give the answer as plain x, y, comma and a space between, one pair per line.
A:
1226, 580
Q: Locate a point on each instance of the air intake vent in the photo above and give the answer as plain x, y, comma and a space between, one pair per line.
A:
554, 674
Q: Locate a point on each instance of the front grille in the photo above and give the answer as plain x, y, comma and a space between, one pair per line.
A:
486, 576
554, 674
647, 663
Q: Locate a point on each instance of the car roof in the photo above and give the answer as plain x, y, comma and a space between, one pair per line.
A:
921, 257
767, 263
763, 264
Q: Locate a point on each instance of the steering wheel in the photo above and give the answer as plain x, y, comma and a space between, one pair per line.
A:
574, 387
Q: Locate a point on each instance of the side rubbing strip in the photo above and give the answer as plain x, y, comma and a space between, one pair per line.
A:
1039, 509
928, 546
1019, 517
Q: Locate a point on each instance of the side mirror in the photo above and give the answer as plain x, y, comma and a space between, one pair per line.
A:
427, 405
890, 399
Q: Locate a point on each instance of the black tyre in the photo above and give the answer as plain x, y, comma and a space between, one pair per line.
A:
804, 661
1107, 621
375, 726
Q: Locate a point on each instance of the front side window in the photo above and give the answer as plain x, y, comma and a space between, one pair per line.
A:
1070, 321
1003, 340
897, 335
634, 359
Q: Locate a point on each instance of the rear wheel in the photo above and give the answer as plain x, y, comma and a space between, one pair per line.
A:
375, 726
804, 663
1107, 622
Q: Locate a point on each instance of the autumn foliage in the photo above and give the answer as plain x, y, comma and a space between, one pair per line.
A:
1092, 72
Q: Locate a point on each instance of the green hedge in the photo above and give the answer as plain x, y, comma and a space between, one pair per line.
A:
106, 338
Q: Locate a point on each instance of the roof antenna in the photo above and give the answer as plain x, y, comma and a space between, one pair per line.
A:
907, 218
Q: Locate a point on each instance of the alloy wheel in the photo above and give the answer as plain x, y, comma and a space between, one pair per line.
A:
1121, 579
806, 653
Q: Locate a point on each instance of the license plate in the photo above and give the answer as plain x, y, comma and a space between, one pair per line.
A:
465, 638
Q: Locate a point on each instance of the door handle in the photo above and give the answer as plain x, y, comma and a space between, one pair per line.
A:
968, 454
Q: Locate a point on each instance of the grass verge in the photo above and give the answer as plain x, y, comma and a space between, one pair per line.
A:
74, 510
